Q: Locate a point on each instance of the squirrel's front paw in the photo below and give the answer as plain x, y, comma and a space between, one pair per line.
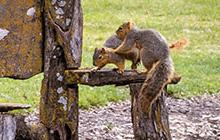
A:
95, 69
120, 71
115, 50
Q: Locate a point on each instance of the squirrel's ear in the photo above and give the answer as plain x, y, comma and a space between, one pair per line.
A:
96, 50
103, 50
130, 24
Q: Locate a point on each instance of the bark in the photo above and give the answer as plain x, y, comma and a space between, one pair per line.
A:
155, 124
63, 42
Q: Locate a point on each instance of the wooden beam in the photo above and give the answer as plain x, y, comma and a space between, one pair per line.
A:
103, 77
5, 107
106, 77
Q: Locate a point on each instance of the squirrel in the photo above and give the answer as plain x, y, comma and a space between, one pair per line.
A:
124, 28
154, 55
133, 55
103, 56
106, 55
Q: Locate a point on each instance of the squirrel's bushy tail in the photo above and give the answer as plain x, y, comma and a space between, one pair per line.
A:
157, 78
181, 43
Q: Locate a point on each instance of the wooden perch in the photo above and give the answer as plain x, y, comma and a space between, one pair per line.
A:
104, 77
5, 107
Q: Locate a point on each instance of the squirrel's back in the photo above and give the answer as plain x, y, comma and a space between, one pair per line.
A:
153, 42
155, 57
153, 46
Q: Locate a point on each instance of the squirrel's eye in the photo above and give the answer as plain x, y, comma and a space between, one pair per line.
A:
100, 57
120, 28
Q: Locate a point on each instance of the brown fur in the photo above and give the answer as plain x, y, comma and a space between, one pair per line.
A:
103, 56
179, 43
106, 55
154, 54
122, 31
126, 27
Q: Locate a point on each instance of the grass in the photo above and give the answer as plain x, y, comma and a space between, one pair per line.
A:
199, 63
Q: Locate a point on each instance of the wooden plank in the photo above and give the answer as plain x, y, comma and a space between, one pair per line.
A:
103, 77
20, 38
4, 107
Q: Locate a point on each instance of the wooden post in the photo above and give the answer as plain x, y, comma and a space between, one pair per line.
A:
155, 124
63, 48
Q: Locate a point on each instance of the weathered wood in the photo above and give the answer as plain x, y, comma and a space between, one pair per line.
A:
63, 42
55, 98
103, 77
107, 77
7, 128
155, 124
66, 18
15, 127
20, 38
5, 107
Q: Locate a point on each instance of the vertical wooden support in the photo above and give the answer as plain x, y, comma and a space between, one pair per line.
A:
152, 126
63, 48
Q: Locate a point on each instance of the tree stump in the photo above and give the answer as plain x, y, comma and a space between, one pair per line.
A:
155, 124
